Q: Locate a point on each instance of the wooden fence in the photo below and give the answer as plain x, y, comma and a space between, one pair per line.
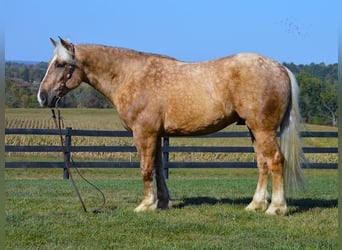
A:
167, 148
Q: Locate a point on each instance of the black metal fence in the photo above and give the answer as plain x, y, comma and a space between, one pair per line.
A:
167, 148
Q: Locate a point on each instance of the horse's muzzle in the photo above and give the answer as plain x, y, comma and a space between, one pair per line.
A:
45, 100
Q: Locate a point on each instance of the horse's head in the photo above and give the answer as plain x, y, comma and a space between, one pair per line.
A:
61, 76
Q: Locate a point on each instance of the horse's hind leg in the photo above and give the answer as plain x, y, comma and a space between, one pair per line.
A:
270, 161
259, 202
162, 191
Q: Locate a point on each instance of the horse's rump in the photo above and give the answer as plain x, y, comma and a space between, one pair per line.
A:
205, 97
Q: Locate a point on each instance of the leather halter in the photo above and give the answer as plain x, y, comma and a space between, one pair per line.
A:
67, 76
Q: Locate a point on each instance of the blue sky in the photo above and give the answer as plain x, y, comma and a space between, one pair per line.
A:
288, 31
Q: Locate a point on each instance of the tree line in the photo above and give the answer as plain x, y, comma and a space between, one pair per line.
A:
318, 85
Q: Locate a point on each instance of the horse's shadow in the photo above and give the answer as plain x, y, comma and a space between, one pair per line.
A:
302, 205
295, 205
206, 200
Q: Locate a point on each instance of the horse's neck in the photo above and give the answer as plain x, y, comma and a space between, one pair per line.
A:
104, 67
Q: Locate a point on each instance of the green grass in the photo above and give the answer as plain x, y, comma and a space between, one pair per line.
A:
207, 213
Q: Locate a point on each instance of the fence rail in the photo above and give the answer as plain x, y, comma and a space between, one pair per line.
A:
68, 133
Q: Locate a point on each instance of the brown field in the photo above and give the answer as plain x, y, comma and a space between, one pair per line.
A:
107, 119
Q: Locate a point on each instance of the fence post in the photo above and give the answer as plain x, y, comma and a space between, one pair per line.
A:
166, 141
67, 154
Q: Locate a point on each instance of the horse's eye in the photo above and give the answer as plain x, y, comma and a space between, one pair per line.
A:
60, 65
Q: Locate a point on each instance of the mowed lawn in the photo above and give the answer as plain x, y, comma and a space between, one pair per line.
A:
43, 212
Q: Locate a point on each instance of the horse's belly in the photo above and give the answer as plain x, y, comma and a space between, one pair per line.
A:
196, 108
197, 123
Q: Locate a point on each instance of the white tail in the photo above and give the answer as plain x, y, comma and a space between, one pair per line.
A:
290, 141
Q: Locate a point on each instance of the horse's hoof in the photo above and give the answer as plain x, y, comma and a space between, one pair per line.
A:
257, 206
164, 204
276, 209
145, 207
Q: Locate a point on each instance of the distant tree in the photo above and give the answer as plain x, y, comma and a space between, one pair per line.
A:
24, 101
292, 67
309, 87
12, 94
25, 75
329, 102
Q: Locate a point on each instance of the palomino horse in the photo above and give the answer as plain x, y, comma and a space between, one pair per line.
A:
159, 96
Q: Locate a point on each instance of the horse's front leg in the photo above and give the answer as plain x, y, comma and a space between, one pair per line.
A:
146, 147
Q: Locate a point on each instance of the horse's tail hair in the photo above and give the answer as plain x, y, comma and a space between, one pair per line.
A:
290, 141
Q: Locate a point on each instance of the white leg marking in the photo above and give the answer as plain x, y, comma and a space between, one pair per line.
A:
149, 203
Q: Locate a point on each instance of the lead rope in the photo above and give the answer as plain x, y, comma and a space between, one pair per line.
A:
66, 163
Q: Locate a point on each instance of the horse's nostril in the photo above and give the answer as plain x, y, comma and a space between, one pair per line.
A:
42, 99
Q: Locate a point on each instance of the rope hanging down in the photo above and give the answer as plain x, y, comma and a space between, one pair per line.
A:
58, 123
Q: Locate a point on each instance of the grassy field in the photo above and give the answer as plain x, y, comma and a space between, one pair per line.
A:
42, 211
208, 213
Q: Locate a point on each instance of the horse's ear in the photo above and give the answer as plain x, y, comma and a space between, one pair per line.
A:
53, 42
65, 44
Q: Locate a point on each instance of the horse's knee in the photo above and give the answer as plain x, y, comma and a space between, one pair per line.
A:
147, 174
262, 164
